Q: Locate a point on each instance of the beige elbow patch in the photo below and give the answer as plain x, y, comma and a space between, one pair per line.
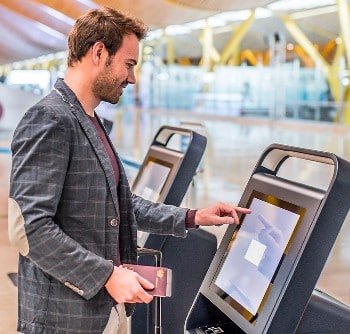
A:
16, 230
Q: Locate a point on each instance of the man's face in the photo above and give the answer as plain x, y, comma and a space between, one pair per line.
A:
118, 71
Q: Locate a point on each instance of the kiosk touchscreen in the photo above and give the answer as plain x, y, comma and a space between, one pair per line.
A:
155, 175
257, 248
265, 270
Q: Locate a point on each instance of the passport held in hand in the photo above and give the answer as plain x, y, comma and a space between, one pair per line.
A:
160, 277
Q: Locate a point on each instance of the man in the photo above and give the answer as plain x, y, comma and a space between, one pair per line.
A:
71, 214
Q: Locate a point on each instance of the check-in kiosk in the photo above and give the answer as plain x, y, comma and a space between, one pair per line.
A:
165, 175
169, 166
168, 169
262, 278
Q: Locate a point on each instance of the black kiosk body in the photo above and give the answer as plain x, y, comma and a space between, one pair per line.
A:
166, 173
263, 276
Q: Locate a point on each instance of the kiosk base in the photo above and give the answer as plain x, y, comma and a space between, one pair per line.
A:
219, 328
210, 319
323, 314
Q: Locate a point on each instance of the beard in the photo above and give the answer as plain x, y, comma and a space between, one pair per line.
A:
107, 88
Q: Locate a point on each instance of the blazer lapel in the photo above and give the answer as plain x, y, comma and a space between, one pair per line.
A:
100, 151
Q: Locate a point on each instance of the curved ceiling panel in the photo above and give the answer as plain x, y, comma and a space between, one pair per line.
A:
70, 8
32, 28
158, 13
26, 38
221, 5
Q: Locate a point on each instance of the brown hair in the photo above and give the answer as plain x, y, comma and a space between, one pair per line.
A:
105, 25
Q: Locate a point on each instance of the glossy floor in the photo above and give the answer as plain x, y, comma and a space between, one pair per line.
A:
234, 146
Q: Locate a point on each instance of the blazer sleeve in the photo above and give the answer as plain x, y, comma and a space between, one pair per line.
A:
159, 218
41, 152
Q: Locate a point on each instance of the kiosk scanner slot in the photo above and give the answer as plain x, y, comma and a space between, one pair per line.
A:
165, 175
262, 277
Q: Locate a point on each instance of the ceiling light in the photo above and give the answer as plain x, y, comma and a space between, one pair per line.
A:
285, 5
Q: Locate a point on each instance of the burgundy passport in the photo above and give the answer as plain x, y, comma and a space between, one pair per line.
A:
161, 277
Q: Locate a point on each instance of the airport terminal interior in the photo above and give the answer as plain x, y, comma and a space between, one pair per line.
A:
275, 75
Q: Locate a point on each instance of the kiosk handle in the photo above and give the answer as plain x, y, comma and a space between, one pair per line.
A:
165, 133
276, 154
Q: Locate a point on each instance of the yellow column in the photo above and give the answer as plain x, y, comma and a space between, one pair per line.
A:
233, 45
344, 19
170, 50
209, 53
305, 43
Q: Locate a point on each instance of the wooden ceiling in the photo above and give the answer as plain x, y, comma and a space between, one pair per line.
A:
32, 28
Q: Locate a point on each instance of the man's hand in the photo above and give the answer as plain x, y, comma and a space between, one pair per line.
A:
219, 214
127, 286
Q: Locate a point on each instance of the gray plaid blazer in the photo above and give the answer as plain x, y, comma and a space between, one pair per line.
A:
67, 218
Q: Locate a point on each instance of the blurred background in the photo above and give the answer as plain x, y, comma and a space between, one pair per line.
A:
244, 73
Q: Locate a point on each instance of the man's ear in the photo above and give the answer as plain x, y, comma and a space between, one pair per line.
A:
97, 50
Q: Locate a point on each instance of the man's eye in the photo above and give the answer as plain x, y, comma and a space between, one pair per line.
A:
129, 66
